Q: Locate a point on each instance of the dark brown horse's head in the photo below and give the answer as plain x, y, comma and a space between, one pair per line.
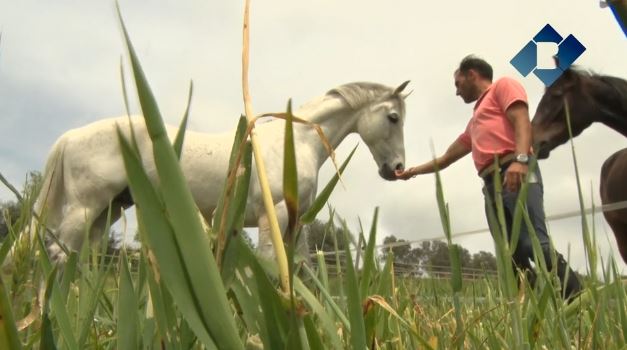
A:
589, 98
549, 124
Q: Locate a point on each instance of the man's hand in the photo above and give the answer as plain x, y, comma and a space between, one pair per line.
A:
405, 174
514, 176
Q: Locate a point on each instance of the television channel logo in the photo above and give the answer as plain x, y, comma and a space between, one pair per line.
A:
565, 52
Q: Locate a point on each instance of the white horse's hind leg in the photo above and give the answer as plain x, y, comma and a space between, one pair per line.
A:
71, 232
265, 247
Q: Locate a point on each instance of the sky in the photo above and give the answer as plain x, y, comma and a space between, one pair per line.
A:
60, 69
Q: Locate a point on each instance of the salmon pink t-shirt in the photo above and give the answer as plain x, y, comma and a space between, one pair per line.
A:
489, 132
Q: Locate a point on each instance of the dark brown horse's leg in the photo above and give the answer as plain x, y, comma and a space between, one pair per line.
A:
618, 223
613, 190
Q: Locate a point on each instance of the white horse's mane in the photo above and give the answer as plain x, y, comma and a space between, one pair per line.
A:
358, 94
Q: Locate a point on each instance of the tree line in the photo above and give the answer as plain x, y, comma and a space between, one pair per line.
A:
426, 257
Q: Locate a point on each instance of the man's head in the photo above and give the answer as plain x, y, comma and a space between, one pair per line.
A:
472, 77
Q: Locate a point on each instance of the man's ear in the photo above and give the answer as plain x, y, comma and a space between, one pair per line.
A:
473, 74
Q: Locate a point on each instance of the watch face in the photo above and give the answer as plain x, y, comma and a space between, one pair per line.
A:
522, 158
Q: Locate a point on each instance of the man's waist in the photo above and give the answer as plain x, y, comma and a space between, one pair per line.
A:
503, 160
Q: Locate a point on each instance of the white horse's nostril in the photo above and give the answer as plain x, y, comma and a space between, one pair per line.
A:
399, 166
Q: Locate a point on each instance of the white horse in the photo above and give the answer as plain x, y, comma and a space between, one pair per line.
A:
85, 170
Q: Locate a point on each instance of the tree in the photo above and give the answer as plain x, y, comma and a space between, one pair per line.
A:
8, 211
320, 236
484, 261
402, 252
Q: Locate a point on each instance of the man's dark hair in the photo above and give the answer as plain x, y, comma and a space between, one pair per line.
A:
478, 64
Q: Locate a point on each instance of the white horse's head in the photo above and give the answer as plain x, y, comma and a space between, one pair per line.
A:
380, 121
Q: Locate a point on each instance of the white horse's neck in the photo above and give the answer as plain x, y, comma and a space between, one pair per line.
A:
335, 118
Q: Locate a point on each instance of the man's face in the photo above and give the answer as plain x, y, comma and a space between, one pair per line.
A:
465, 86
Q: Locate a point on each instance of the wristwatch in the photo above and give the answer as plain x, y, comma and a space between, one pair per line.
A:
522, 158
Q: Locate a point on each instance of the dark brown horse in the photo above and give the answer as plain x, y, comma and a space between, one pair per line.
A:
590, 98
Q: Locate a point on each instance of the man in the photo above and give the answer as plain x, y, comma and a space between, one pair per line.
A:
500, 128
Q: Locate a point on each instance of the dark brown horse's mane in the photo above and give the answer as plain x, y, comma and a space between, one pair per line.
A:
617, 87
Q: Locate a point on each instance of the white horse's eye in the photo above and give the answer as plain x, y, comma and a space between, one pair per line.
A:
393, 117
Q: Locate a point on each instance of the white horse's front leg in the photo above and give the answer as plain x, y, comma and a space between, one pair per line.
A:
265, 247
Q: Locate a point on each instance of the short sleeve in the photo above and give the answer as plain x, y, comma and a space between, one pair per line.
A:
507, 91
465, 138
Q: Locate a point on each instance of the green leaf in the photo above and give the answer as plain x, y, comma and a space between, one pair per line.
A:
230, 213
370, 265
320, 201
354, 302
163, 308
261, 304
128, 322
180, 135
290, 176
57, 303
159, 235
326, 295
208, 300
325, 320
9, 338
47, 337
91, 296
69, 272
313, 337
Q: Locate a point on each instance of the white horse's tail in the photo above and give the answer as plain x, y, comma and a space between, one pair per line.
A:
50, 200
48, 206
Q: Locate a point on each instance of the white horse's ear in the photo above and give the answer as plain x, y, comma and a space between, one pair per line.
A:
404, 96
400, 88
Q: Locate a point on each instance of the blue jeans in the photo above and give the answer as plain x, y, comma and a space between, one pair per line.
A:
523, 255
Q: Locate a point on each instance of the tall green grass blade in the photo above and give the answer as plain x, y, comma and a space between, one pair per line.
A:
290, 175
57, 303
456, 274
197, 260
159, 235
263, 309
6, 246
354, 302
240, 135
315, 342
326, 295
589, 245
324, 318
338, 261
128, 320
9, 338
298, 336
507, 279
180, 135
92, 297
619, 293
69, 273
163, 309
91, 294
231, 207
47, 337
231, 210
322, 199
370, 264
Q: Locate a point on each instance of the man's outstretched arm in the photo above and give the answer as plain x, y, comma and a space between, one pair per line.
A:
454, 152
